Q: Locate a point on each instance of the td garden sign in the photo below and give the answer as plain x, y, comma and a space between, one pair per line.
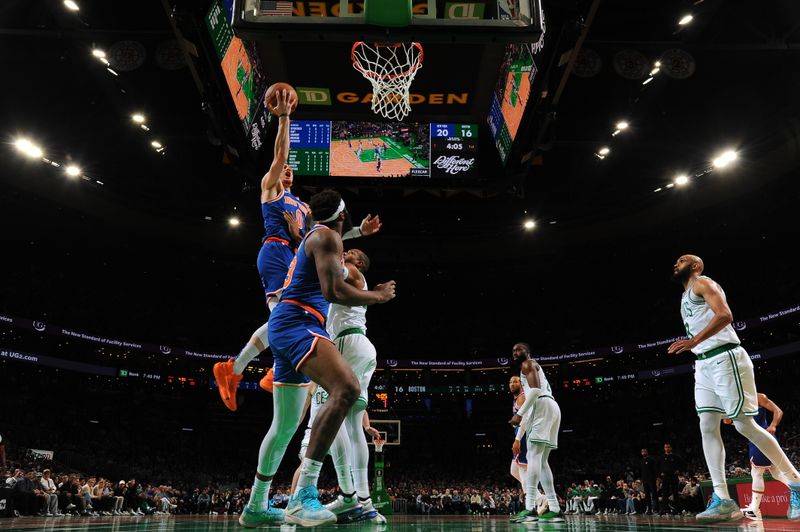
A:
323, 96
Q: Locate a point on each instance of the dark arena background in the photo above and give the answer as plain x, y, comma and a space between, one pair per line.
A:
558, 159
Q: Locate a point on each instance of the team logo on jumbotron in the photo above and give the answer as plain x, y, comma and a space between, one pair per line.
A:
39, 326
655, 372
740, 325
617, 349
165, 349
502, 361
391, 363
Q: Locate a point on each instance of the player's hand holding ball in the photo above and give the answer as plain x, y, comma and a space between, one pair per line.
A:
386, 290
281, 99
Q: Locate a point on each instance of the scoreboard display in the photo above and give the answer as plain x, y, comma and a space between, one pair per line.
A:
383, 150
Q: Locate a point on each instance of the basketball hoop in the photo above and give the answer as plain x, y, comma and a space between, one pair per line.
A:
378, 445
390, 68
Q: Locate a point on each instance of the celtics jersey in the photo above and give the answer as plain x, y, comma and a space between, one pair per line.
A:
342, 317
544, 385
697, 315
319, 398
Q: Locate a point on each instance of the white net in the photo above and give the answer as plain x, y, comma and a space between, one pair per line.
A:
379, 445
390, 68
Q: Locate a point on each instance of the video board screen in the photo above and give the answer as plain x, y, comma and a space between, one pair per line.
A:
511, 95
383, 150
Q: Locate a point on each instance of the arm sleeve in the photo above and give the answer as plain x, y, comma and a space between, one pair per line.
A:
530, 398
352, 233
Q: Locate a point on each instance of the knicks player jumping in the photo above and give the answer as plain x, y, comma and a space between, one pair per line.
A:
303, 350
540, 418
725, 387
284, 222
519, 459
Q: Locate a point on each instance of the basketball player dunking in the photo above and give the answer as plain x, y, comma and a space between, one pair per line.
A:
724, 387
519, 459
284, 223
303, 351
540, 417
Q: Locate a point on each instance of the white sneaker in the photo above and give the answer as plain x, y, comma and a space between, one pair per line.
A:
369, 508
749, 513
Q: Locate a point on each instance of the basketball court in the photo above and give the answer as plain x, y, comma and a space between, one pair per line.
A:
400, 523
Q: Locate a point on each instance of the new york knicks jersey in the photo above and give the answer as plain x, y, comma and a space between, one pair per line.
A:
697, 315
302, 286
274, 222
342, 317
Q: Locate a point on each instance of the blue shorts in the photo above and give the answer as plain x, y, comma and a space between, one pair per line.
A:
273, 263
522, 457
293, 336
757, 458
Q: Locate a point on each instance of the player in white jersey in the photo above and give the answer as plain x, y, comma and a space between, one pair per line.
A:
724, 386
539, 419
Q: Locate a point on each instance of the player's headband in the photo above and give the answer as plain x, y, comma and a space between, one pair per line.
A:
336, 214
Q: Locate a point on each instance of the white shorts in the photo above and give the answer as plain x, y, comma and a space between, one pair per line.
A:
726, 384
360, 355
544, 423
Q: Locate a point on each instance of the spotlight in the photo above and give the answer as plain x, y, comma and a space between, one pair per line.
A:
28, 148
138, 118
669, 185
98, 53
622, 125
685, 20
654, 71
657, 64
110, 70
724, 159
233, 221
72, 170
144, 126
529, 224
648, 80
156, 144
71, 5
681, 180
604, 150
657, 190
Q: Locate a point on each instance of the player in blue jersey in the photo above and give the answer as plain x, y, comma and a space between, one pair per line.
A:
760, 464
519, 458
303, 350
284, 224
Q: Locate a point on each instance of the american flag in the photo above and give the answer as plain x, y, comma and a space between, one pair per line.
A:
281, 8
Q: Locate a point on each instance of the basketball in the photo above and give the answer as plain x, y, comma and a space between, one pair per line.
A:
271, 98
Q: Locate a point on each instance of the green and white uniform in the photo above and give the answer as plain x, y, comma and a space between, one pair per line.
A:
347, 326
318, 400
543, 420
724, 381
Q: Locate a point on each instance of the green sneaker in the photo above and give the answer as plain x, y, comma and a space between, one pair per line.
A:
552, 517
254, 518
525, 516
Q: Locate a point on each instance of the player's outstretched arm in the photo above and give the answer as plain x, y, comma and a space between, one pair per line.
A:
271, 185
326, 248
369, 226
777, 412
715, 298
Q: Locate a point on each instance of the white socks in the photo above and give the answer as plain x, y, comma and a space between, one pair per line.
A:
309, 473
548, 485
257, 343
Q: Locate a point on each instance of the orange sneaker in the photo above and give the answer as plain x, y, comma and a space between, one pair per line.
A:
227, 383
267, 381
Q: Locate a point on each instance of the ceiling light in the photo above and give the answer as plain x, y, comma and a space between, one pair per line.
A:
648, 80
138, 118
681, 180
72, 170
144, 126
233, 221
98, 53
622, 125
657, 190
28, 148
111, 70
654, 71
669, 185
529, 224
657, 64
685, 20
71, 5
604, 150
156, 144
724, 159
